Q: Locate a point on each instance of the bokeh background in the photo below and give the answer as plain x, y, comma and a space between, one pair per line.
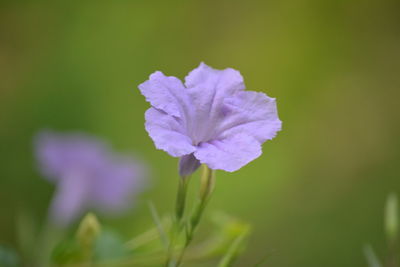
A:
316, 195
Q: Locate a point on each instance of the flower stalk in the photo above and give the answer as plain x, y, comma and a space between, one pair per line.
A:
207, 182
178, 224
206, 189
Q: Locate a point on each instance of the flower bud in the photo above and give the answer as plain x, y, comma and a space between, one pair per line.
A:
207, 183
88, 231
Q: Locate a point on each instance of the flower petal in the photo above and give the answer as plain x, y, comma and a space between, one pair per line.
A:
188, 164
70, 199
229, 154
251, 113
168, 133
116, 183
207, 87
58, 154
228, 80
166, 93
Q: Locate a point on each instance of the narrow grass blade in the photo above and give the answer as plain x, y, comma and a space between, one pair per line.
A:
160, 228
371, 257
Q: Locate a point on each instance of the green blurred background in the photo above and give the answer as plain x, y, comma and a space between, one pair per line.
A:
316, 195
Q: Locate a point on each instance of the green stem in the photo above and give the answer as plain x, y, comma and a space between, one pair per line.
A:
179, 213
206, 189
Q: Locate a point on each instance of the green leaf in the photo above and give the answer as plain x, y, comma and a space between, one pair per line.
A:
8, 257
109, 246
149, 237
241, 231
67, 251
228, 239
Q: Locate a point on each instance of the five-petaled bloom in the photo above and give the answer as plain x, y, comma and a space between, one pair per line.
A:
210, 119
89, 176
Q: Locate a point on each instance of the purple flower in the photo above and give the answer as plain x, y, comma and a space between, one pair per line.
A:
210, 119
88, 175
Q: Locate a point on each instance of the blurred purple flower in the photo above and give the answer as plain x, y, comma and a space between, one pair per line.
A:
88, 175
211, 119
